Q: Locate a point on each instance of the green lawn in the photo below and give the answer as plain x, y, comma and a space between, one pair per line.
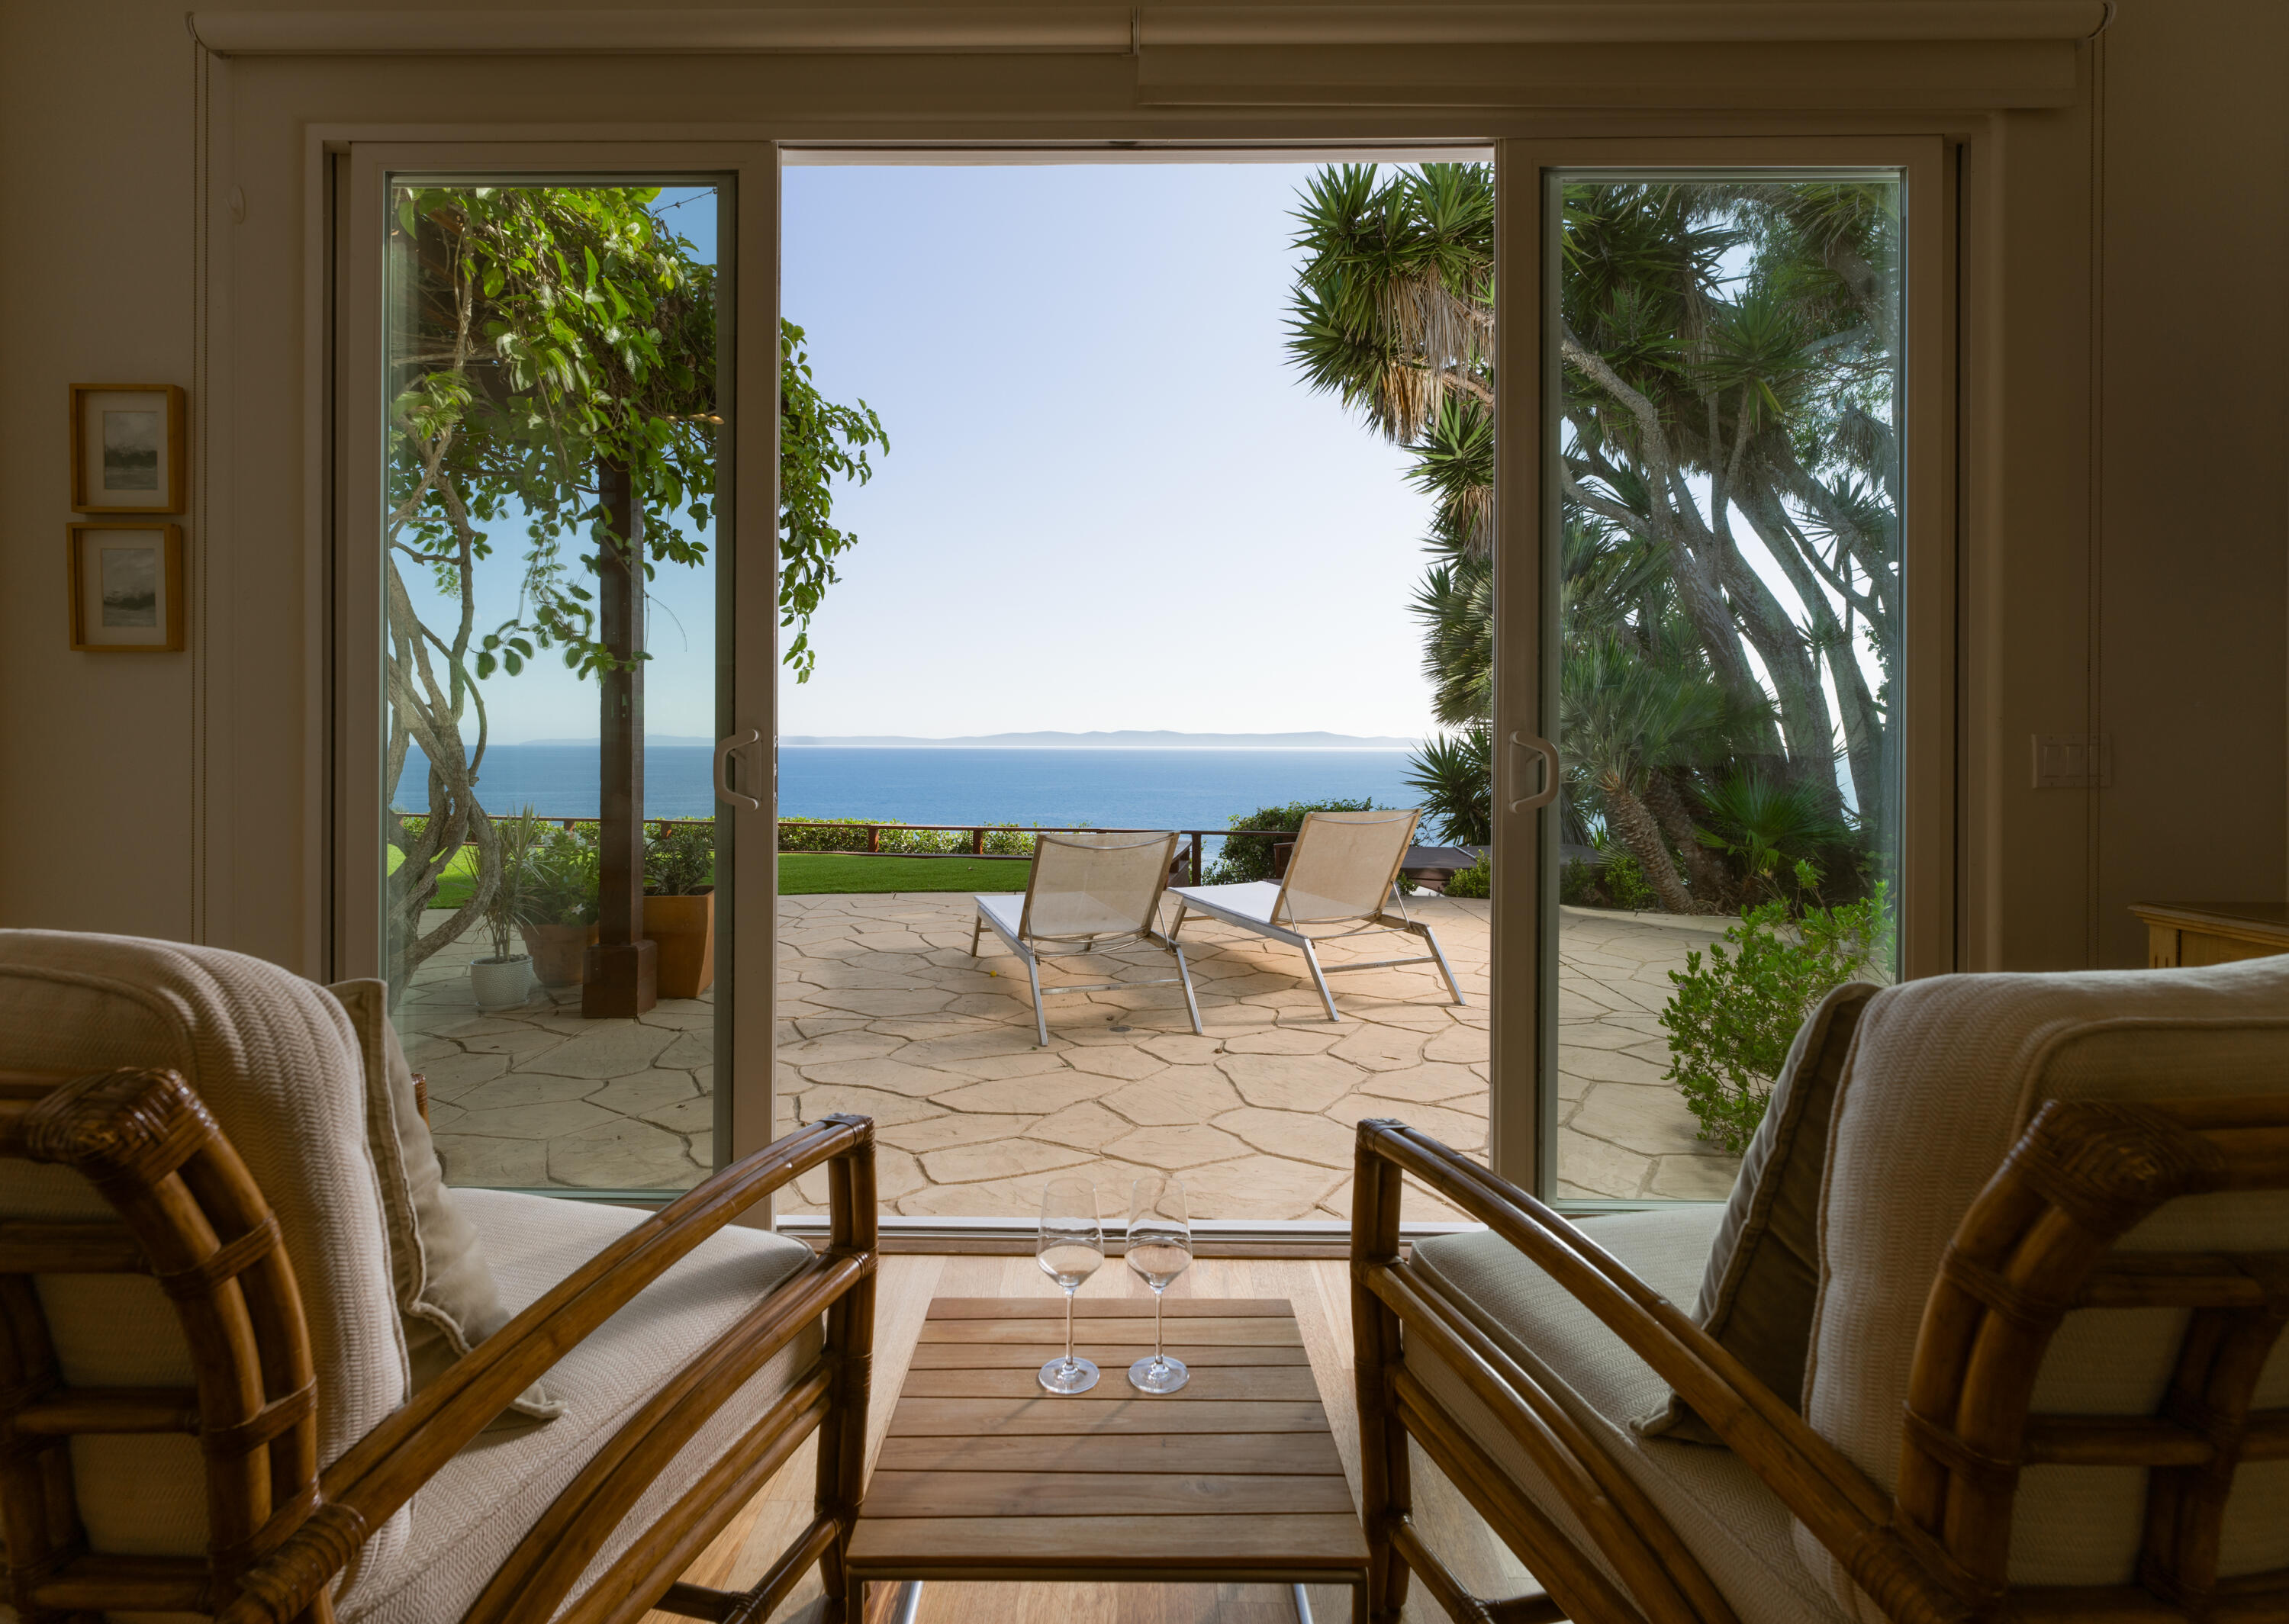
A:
813, 874
810, 874
452, 885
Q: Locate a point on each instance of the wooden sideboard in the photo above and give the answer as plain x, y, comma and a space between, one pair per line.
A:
2193, 934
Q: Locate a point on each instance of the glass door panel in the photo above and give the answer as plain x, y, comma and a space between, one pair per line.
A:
551, 677
1728, 377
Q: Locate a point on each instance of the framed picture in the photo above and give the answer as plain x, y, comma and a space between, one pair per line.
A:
126, 588
127, 448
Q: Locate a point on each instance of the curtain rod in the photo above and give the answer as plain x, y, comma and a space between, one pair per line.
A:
1123, 30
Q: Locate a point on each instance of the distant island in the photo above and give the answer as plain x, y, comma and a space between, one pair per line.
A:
1130, 739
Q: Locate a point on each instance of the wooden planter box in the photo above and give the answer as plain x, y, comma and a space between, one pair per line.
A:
684, 929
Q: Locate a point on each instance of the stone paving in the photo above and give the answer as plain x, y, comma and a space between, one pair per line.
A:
883, 1011
538, 1097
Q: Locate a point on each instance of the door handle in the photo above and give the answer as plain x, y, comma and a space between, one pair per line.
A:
1543, 750
723, 749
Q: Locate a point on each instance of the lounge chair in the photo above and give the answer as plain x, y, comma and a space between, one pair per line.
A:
1344, 871
1085, 894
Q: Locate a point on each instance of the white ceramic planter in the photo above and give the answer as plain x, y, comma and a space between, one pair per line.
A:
502, 983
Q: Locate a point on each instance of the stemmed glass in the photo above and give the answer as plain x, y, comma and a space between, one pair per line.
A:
1071, 1248
1160, 1249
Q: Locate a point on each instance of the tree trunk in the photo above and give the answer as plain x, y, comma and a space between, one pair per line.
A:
1862, 721
430, 716
1642, 835
1712, 886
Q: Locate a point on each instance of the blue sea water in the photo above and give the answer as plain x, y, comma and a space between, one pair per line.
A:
1109, 789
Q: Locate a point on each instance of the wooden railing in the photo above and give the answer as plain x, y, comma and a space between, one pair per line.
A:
978, 832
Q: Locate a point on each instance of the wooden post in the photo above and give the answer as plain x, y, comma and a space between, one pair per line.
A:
1196, 856
621, 975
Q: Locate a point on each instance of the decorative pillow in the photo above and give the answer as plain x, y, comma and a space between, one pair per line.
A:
1763, 1277
444, 1288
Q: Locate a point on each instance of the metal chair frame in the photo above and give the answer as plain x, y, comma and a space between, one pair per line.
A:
1226, 908
1027, 946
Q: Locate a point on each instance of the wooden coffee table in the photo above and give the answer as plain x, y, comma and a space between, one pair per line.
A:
983, 1475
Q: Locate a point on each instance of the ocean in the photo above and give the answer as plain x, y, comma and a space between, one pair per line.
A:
1107, 788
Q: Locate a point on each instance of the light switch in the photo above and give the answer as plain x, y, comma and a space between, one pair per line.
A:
2074, 760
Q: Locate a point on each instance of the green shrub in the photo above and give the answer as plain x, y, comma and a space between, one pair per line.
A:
1730, 1023
1245, 858
1476, 880
562, 878
1577, 883
504, 909
679, 859
1624, 882
852, 834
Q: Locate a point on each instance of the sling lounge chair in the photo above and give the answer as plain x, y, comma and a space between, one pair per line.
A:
1342, 873
1085, 894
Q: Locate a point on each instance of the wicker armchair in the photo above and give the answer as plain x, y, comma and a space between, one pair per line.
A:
2045, 1379
179, 1215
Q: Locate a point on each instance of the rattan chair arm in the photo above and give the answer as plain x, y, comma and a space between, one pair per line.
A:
1845, 1510
382, 1472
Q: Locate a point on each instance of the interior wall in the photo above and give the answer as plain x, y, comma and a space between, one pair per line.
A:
2192, 539
2148, 600
96, 750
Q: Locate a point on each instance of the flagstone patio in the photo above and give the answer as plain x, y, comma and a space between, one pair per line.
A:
883, 1011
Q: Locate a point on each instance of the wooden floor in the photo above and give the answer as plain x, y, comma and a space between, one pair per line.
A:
1321, 1294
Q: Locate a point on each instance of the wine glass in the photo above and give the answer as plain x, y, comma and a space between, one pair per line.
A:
1160, 1249
1071, 1248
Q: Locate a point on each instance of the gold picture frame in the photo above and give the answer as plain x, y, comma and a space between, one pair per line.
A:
127, 448
126, 588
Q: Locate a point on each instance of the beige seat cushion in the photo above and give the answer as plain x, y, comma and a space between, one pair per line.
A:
1730, 1520
1944, 1077
468, 1519
274, 1061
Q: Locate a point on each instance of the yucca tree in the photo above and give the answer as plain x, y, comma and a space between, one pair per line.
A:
1731, 369
1395, 310
1744, 338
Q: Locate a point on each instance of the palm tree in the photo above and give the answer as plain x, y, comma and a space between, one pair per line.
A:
1626, 719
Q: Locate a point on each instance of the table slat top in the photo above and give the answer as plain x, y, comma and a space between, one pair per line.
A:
982, 1470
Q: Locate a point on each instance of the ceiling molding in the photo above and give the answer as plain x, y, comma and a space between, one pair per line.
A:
1119, 30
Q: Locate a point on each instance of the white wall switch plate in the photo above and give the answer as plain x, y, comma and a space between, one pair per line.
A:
2073, 760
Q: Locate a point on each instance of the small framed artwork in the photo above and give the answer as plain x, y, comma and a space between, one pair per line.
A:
127, 448
126, 588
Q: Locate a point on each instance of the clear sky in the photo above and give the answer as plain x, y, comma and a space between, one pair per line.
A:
1109, 501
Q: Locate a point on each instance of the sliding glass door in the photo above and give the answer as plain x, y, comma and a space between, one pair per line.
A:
1736, 495
551, 555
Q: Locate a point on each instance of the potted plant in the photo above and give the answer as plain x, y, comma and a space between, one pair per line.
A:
559, 920
678, 905
505, 980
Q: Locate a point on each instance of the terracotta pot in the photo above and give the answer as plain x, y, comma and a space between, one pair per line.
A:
684, 928
558, 951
